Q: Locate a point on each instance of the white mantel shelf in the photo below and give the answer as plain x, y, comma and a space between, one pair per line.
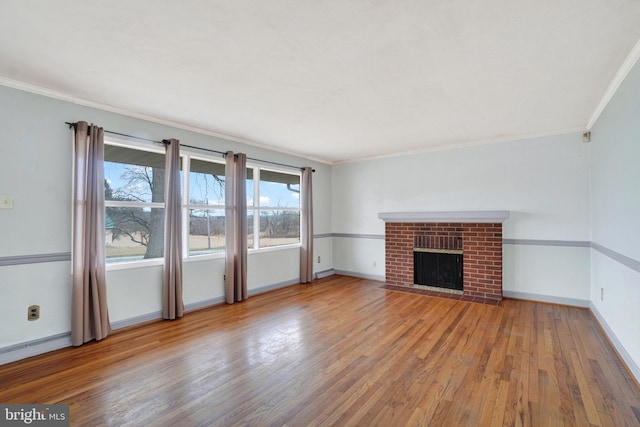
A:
452, 216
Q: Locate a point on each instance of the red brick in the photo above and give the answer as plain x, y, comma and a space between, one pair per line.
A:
482, 246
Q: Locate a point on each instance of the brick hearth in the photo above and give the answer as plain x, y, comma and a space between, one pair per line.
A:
482, 254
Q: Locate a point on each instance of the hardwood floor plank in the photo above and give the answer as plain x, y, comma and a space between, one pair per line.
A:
341, 352
585, 392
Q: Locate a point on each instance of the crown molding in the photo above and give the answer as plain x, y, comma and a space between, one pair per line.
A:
38, 90
622, 73
466, 144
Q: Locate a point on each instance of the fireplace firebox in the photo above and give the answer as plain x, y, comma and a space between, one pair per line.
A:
476, 234
440, 268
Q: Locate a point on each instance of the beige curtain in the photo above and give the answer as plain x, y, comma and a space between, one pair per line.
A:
236, 227
306, 227
172, 304
89, 314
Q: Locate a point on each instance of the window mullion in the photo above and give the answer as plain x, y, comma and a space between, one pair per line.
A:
256, 210
186, 169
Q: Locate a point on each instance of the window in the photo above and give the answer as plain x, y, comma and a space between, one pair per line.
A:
204, 209
273, 208
134, 202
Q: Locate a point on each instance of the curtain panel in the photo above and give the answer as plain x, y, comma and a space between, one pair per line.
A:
89, 313
172, 303
236, 227
306, 226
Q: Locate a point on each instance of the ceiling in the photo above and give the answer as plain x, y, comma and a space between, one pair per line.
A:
329, 80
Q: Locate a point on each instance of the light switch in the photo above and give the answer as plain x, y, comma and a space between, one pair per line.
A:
6, 202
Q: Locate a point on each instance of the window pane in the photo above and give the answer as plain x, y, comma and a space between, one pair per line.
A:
279, 228
250, 188
279, 190
206, 231
133, 175
250, 217
206, 183
134, 233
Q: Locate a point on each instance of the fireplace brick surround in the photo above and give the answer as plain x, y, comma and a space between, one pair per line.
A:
482, 253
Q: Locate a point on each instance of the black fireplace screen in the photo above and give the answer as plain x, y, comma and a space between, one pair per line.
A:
439, 268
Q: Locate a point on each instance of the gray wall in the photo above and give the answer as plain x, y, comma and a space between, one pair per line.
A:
615, 218
571, 236
542, 182
35, 236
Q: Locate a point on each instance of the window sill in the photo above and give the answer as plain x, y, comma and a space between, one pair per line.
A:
135, 264
197, 258
274, 248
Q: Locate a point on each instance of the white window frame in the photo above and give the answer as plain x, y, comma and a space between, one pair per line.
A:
134, 145
187, 155
256, 208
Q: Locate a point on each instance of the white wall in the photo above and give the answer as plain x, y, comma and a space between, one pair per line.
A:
615, 210
561, 193
361, 256
36, 172
46, 284
135, 293
558, 274
543, 182
323, 253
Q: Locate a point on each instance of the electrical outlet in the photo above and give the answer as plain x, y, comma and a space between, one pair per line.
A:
33, 312
601, 294
375, 264
318, 259
6, 202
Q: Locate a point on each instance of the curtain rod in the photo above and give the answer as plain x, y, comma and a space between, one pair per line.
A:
165, 141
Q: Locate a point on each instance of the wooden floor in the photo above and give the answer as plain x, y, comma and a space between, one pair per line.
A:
341, 352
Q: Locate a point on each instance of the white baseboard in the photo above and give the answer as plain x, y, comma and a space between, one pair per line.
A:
547, 298
361, 275
203, 304
125, 323
33, 348
626, 357
324, 273
268, 288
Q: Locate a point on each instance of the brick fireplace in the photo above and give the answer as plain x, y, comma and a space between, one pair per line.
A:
481, 234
